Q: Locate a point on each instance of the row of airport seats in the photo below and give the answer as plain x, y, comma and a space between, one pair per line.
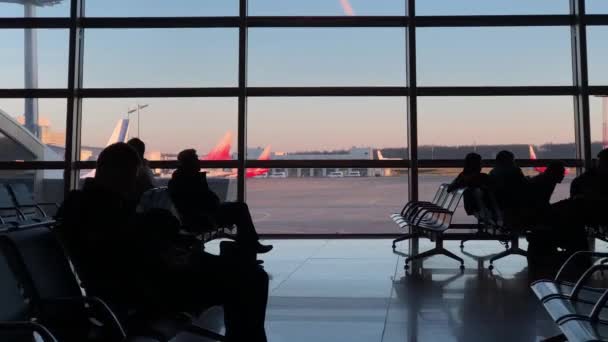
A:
578, 309
19, 208
432, 219
41, 299
429, 220
159, 198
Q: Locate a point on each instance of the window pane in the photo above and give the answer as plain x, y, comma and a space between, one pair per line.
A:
491, 7
326, 205
599, 123
324, 7
45, 185
327, 57
327, 128
49, 66
161, 58
597, 6
161, 8
512, 56
450, 127
167, 125
597, 51
17, 141
42, 8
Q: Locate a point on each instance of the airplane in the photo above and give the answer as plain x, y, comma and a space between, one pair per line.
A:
119, 134
222, 152
541, 169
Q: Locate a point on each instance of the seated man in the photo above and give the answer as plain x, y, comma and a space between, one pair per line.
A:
471, 175
145, 177
593, 184
133, 262
508, 182
198, 205
542, 186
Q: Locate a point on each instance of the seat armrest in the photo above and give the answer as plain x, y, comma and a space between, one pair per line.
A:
98, 307
577, 255
584, 278
33, 327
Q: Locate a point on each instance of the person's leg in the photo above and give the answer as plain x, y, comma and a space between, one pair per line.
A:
238, 213
241, 289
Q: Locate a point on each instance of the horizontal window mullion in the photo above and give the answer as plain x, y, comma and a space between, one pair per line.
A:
355, 21
596, 19
34, 93
35, 23
157, 92
32, 165
458, 163
166, 164
325, 91
598, 90
498, 91
159, 22
494, 20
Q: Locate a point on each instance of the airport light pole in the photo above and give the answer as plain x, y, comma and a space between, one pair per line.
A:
604, 120
137, 110
31, 61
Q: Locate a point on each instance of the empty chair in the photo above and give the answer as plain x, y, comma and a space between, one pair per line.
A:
24, 200
16, 323
9, 213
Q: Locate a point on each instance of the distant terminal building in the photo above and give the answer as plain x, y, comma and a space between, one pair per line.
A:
354, 153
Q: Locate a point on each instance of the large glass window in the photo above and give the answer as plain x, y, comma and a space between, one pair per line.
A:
48, 8
491, 7
597, 51
597, 6
355, 203
326, 8
47, 65
162, 8
161, 58
327, 128
166, 125
327, 57
511, 56
450, 127
599, 123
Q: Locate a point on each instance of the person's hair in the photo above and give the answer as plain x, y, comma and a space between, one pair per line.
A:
556, 167
505, 158
472, 163
117, 159
187, 156
603, 155
138, 145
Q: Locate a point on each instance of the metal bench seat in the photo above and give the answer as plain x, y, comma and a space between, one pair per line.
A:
584, 330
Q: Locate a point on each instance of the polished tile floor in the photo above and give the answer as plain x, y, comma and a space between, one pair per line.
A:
358, 290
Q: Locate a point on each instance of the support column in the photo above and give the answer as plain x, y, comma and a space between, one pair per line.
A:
242, 101
581, 82
31, 72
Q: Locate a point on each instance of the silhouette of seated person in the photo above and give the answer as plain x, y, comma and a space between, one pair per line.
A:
471, 175
145, 177
593, 184
200, 207
542, 186
138, 262
508, 183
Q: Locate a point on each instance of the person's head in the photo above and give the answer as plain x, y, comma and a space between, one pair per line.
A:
602, 161
556, 171
505, 158
139, 146
472, 163
117, 168
188, 160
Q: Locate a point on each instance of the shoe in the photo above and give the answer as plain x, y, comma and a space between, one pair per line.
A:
262, 249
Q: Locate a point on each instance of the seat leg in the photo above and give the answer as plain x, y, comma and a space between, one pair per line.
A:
556, 338
462, 243
452, 255
196, 330
402, 238
513, 250
420, 256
